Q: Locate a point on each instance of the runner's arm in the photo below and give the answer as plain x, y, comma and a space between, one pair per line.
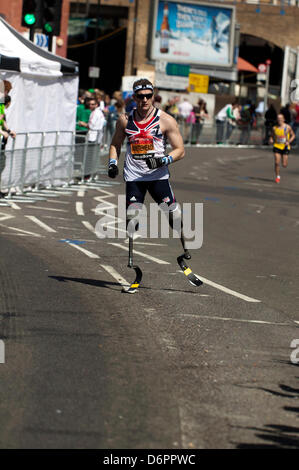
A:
291, 134
174, 137
118, 138
271, 138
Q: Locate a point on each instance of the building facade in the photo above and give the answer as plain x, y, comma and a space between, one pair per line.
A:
113, 35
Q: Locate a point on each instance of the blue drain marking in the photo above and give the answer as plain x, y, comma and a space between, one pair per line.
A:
215, 199
73, 242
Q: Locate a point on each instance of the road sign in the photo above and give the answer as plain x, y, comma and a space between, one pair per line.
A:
262, 68
94, 72
198, 83
41, 40
179, 70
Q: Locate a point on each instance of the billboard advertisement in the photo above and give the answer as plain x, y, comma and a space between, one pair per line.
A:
193, 33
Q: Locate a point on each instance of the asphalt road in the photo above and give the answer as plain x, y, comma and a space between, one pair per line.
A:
172, 366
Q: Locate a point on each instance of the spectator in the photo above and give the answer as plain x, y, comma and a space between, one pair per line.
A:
158, 101
185, 108
115, 111
245, 123
296, 123
83, 114
224, 119
200, 114
5, 132
117, 96
270, 120
95, 127
99, 95
130, 104
286, 112
96, 122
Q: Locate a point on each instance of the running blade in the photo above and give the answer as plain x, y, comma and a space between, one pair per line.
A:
133, 287
192, 278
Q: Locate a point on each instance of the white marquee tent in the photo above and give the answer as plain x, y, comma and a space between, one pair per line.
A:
44, 88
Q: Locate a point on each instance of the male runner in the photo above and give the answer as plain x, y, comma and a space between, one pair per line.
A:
282, 136
146, 162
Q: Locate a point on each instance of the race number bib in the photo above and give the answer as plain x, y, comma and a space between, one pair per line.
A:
142, 146
281, 139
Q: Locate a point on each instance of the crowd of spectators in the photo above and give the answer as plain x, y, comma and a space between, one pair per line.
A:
190, 117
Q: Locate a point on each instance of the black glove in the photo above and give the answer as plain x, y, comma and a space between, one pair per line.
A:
112, 169
153, 162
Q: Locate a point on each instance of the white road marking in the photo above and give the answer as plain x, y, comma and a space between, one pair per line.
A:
60, 202
151, 258
79, 208
226, 290
47, 208
40, 223
81, 192
71, 228
116, 275
242, 320
55, 218
145, 243
22, 231
16, 234
4, 216
86, 252
88, 226
13, 205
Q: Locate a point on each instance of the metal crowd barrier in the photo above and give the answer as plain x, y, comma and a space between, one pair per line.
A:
39, 160
222, 133
36, 160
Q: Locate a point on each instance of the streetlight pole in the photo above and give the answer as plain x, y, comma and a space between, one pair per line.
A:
268, 63
95, 49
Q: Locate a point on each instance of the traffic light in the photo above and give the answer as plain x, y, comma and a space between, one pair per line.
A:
51, 16
31, 13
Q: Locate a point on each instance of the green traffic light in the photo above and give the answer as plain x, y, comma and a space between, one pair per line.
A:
48, 27
29, 19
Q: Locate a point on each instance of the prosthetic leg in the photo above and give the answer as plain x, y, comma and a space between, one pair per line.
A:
176, 223
132, 227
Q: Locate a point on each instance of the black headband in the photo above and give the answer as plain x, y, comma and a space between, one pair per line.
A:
148, 86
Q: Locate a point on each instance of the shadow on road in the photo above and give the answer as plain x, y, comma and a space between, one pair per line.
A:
90, 282
277, 435
116, 285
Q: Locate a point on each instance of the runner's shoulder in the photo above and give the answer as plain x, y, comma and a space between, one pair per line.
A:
168, 121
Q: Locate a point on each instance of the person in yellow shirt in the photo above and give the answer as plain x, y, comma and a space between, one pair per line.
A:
281, 138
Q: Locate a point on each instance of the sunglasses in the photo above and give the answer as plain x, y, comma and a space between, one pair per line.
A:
148, 96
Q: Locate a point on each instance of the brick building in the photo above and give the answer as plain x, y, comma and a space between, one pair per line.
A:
122, 31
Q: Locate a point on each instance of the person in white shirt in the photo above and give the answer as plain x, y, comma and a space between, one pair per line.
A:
185, 109
95, 126
224, 118
96, 123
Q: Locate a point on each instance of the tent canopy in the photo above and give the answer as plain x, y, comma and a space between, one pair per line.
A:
244, 66
20, 55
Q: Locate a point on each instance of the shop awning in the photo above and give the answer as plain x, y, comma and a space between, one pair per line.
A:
244, 66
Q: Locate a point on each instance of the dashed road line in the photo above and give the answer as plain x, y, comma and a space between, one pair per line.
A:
122, 281
242, 320
40, 223
23, 231
151, 258
47, 208
79, 208
88, 225
83, 250
226, 290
